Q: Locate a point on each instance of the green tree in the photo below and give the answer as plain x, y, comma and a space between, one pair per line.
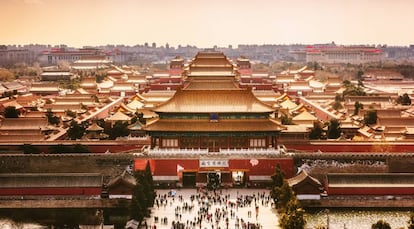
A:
99, 78
360, 83
317, 131
141, 118
11, 112
70, 113
100, 122
381, 224
6, 75
293, 216
284, 194
337, 105
360, 74
75, 131
151, 194
411, 221
134, 119
370, 117
95, 98
285, 120
139, 203
404, 99
135, 209
277, 182
51, 118
334, 129
339, 98
346, 83
278, 177
351, 89
119, 129
357, 107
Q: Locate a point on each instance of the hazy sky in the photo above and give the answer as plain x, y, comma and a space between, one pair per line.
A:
206, 23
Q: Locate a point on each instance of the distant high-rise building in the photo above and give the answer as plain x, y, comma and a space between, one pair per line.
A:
11, 55
343, 54
55, 55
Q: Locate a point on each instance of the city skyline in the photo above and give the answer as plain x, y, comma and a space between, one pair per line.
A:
206, 23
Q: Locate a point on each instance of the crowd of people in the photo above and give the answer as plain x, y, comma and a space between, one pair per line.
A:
215, 209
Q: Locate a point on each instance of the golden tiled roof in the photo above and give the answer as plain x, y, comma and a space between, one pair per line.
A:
94, 127
211, 84
304, 116
302, 177
119, 116
23, 123
21, 138
194, 125
214, 101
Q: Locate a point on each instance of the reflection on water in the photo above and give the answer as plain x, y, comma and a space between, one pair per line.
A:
356, 219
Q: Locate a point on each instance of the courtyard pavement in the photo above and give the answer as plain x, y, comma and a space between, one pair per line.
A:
226, 208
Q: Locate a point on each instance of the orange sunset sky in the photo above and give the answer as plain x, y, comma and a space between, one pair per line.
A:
205, 23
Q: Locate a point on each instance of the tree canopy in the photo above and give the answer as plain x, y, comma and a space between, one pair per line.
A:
317, 131
334, 129
76, 131
351, 89
293, 216
381, 224
143, 194
411, 221
51, 118
370, 117
119, 129
357, 107
404, 99
11, 112
285, 120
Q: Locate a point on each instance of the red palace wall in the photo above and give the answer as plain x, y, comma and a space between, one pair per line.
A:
257, 167
96, 147
340, 147
371, 191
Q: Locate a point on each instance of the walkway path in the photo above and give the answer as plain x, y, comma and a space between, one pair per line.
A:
228, 208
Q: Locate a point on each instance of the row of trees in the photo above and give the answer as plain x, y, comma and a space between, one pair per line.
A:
119, 129
290, 212
382, 224
333, 130
143, 195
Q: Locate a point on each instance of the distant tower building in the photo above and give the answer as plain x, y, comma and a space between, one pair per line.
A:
167, 46
154, 45
244, 65
176, 66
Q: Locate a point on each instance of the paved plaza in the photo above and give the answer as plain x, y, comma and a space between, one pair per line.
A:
201, 209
